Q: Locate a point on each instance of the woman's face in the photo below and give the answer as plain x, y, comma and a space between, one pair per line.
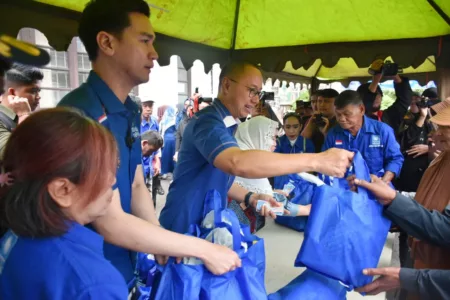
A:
292, 128
442, 138
85, 214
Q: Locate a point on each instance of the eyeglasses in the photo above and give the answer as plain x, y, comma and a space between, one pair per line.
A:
252, 92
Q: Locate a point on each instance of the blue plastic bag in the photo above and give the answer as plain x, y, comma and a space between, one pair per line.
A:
180, 281
303, 194
311, 286
346, 231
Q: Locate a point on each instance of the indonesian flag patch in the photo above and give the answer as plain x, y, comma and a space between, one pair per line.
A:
338, 143
102, 118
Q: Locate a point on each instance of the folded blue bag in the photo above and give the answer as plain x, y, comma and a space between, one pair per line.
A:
311, 286
302, 194
346, 231
181, 281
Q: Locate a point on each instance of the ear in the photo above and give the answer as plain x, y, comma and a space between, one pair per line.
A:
362, 109
11, 91
144, 143
62, 192
225, 85
106, 43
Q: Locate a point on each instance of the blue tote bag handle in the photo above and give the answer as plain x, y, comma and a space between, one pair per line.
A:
359, 169
213, 201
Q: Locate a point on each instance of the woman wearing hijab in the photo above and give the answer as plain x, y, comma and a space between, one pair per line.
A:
258, 133
168, 132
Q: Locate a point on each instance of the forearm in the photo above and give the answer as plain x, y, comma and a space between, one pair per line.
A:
417, 221
309, 129
129, 232
374, 85
420, 122
265, 164
141, 200
429, 284
388, 176
238, 193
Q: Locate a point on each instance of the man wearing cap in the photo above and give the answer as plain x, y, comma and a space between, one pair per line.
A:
22, 84
372, 96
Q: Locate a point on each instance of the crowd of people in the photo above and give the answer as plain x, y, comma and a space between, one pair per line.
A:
79, 182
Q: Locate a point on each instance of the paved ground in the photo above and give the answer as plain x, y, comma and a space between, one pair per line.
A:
282, 246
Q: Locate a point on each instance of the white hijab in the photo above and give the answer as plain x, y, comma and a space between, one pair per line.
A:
256, 134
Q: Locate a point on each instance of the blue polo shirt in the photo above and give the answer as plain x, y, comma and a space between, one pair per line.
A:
71, 266
375, 141
147, 161
208, 133
99, 102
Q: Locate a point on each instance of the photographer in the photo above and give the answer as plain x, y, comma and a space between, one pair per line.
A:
304, 110
323, 120
372, 95
413, 140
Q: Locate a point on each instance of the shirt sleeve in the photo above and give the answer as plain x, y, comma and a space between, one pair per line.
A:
4, 136
393, 157
397, 111
429, 284
211, 137
417, 221
107, 291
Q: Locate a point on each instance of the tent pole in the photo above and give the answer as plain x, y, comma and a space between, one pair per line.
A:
235, 27
439, 11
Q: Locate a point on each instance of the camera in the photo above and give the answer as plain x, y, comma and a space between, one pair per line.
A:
425, 102
319, 121
387, 69
267, 96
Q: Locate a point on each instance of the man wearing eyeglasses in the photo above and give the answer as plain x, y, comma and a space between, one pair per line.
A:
210, 157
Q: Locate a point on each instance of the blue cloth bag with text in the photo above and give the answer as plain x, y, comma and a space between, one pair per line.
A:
302, 195
181, 281
346, 231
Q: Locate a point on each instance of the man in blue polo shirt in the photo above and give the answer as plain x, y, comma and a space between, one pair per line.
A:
375, 140
118, 38
210, 158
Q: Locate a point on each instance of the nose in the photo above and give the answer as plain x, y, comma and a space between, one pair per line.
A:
153, 53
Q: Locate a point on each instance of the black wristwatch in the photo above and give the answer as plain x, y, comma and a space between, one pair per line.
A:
247, 199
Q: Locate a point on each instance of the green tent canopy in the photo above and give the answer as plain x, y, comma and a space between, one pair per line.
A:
329, 39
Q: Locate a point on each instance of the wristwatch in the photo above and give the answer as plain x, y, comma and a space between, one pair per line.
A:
247, 199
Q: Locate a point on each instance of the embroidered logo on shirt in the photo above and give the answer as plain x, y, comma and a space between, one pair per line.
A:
338, 143
102, 118
135, 132
375, 141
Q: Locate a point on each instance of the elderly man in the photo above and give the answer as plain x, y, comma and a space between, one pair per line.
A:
375, 140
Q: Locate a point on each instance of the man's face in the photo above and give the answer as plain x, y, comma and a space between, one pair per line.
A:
30, 92
326, 106
148, 149
314, 103
350, 117
308, 112
135, 53
442, 138
147, 110
414, 108
242, 92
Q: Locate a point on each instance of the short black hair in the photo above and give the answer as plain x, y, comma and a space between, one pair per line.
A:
328, 93
292, 115
111, 16
153, 138
348, 98
208, 100
234, 67
20, 75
